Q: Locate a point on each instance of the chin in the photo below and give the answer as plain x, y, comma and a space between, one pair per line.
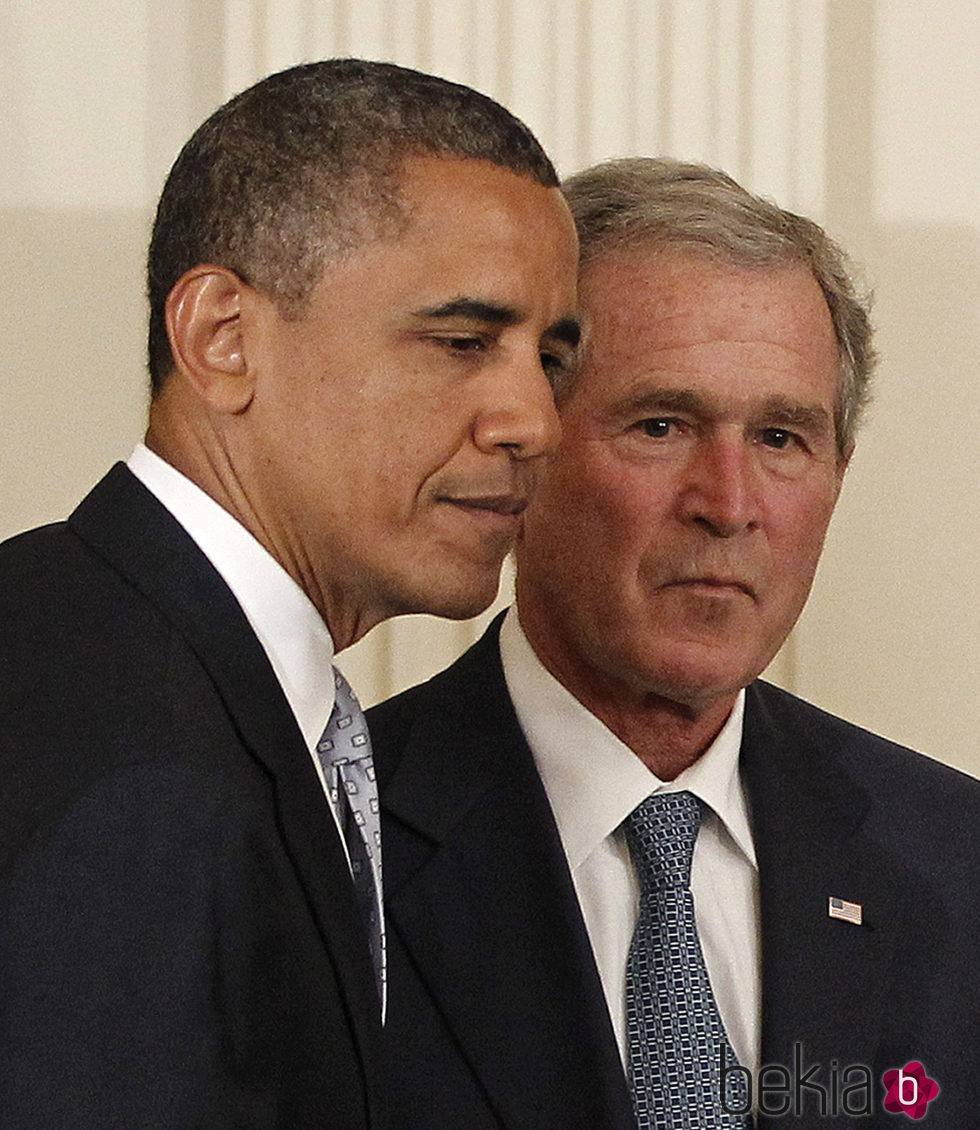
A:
694, 678
457, 602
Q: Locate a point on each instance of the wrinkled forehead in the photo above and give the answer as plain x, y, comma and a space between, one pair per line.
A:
638, 301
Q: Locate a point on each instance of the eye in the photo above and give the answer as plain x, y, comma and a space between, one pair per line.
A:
462, 343
779, 438
658, 427
554, 364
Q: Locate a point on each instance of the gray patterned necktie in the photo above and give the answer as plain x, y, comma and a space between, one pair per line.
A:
675, 1032
348, 765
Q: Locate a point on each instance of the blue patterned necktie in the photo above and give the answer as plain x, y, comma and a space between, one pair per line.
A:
675, 1032
348, 765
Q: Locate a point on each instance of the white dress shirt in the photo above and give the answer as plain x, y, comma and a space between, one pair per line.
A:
290, 629
594, 782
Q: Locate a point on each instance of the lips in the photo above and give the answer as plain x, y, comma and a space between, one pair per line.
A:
507, 505
722, 584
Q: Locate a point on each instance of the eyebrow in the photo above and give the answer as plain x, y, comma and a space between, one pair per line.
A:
565, 330
664, 400
474, 308
805, 417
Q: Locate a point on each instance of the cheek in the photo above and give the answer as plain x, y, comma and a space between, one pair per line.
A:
607, 541
566, 516
397, 444
627, 509
796, 552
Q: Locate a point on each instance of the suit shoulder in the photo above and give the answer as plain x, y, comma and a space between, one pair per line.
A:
51, 567
886, 768
43, 544
58, 595
464, 711
94, 682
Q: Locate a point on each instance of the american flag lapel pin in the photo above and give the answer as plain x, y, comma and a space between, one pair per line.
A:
844, 910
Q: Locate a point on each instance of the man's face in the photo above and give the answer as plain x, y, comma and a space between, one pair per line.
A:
396, 423
672, 541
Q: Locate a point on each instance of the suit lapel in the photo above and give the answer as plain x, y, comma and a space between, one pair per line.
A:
135, 534
823, 978
480, 895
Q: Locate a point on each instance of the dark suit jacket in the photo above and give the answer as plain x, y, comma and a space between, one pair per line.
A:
179, 940
496, 1013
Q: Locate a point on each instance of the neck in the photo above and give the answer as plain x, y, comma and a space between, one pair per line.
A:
665, 736
667, 728
202, 454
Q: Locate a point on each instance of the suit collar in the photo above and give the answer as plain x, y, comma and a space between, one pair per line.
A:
139, 538
291, 631
122, 522
464, 735
480, 896
592, 793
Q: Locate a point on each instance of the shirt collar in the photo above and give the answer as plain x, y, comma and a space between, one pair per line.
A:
292, 632
593, 780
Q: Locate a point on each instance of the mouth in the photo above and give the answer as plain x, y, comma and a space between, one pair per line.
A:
505, 505
719, 586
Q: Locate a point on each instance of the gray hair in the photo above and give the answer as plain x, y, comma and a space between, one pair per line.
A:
657, 203
306, 165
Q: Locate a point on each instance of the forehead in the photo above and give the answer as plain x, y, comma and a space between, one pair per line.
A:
679, 319
442, 195
469, 227
470, 233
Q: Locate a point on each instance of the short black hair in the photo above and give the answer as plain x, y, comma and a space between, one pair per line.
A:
303, 166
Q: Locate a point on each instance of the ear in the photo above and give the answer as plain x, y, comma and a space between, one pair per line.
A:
204, 324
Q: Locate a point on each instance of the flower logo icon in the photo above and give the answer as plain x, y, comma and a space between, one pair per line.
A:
909, 1090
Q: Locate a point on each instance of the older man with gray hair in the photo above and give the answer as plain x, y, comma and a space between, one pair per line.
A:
631, 883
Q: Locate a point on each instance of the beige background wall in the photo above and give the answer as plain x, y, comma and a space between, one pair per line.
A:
863, 113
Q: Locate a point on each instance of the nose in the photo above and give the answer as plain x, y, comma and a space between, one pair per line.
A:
518, 414
720, 492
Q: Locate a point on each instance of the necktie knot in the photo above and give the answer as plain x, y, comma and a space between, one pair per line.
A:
346, 738
661, 833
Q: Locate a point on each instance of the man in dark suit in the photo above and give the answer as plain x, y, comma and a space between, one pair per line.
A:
362, 280
816, 962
